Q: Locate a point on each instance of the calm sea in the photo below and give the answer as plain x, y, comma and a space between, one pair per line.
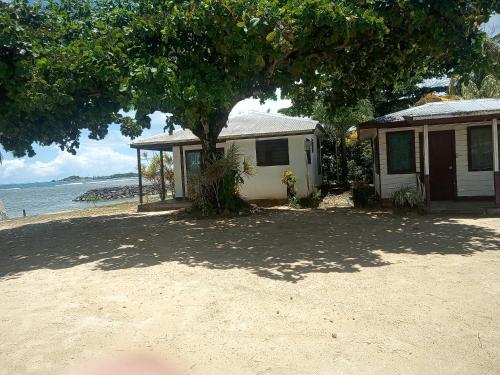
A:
46, 197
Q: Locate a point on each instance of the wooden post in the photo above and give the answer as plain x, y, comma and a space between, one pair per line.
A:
496, 169
427, 183
139, 169
182, 173
162, 176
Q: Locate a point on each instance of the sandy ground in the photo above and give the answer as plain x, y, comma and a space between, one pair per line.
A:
279, 292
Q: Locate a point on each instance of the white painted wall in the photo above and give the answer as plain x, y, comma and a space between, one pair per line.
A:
266, 182
469, 184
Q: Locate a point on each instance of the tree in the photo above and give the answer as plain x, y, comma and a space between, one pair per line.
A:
337, 124
152, 172
489, 87
72, 64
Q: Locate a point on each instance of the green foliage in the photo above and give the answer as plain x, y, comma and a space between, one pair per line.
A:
362, 194
289, 180
489, 88
407, 197
335, 146
312, 201
75, 64
216, 188
152, 172
92, 199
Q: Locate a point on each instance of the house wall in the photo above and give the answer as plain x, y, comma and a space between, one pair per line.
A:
266, 183
469, 184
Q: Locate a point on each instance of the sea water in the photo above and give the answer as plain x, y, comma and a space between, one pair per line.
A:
46, 197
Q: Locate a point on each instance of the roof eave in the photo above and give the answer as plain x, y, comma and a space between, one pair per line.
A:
185, 142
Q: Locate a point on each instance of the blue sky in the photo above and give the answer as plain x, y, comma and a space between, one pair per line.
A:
113, 154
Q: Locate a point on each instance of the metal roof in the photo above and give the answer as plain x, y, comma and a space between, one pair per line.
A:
250, 125
446, 109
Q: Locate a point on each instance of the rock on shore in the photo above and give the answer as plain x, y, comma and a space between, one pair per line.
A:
3, 212
117, 192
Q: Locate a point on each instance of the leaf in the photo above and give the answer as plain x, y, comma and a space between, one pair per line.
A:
260, 61
241, 24
254, 21
270, 37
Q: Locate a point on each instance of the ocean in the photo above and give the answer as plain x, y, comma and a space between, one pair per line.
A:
46, 197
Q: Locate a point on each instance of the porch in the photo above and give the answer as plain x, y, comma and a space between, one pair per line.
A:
164, 205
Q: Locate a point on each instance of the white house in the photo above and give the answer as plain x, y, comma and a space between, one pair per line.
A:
272, 143
448, 150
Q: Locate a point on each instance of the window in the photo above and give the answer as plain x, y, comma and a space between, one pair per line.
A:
318, 155
272, 152
400, 152
376, 154
193, 160
308, 155
480, 148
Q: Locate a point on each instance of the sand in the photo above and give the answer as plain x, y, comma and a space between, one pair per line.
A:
279, 292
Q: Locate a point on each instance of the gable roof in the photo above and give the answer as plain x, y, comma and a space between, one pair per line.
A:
250, 125
452, 109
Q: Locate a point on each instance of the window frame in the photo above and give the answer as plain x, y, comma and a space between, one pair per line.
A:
469, 150
318, 156
269, 141
413, 167
376, 153
220, 150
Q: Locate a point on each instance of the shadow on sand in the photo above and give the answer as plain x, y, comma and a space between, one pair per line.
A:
281, 245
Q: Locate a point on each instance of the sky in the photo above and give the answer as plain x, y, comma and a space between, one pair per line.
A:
113, 154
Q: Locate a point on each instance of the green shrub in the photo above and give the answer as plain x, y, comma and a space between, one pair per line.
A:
362, 194
290, 180
92, 198
406, 197
311, 201
216, 189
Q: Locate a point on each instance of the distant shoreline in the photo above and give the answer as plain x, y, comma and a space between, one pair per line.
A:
67, 181
110, 177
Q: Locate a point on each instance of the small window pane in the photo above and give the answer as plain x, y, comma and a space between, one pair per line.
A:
480, 149
376, 152
318, 155
272, 152
308, 154
401, 152
193, 162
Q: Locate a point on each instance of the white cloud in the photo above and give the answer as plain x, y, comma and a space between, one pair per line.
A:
250, 104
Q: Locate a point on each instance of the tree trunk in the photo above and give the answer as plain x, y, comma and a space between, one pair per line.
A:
208, 134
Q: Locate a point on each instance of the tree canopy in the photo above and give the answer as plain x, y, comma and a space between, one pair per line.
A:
69, 65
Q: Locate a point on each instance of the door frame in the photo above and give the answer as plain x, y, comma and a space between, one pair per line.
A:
454, 158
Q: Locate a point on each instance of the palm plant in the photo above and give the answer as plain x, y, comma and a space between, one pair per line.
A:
338, 123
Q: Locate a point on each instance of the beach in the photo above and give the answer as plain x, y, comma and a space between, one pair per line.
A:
278, 292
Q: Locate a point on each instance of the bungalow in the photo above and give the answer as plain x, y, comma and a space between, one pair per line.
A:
446, 150
272, 143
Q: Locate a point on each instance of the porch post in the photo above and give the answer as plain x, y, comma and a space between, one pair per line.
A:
496, 170
426, 167
139, 170
162, 176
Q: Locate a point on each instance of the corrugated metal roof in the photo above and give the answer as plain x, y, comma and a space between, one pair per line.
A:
252, 124
452, 108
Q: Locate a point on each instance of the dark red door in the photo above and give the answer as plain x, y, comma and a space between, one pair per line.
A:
442, 166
